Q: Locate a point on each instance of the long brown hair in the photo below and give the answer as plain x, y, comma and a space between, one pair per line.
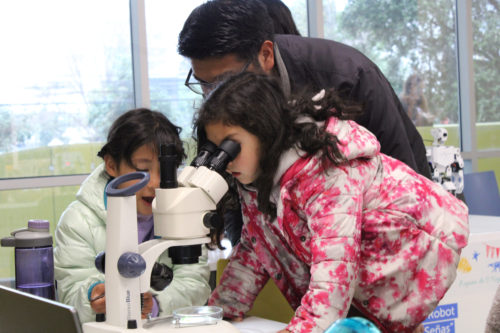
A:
257, 103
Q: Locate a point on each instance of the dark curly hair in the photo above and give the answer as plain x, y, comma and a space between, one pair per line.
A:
139, 127
257, 103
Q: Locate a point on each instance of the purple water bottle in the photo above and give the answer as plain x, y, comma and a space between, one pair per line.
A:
34, 258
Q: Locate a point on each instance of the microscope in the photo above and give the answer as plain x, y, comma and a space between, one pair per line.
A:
184, 212
446, 163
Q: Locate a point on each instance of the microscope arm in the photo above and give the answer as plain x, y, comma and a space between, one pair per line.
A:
152, 249
459, 181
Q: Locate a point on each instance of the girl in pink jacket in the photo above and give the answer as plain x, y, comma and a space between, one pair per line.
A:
339, 227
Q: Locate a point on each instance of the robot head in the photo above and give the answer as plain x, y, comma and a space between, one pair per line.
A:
440, 135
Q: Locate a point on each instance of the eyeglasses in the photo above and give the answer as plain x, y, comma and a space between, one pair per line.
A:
204, 88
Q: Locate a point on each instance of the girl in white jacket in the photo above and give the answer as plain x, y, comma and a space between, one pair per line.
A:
132, 145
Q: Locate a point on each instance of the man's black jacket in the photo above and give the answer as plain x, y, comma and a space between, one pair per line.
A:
325, 64
319, 64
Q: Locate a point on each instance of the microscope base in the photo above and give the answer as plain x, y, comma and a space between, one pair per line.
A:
160, 326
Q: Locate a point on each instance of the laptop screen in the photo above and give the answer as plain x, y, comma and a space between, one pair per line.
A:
23, 312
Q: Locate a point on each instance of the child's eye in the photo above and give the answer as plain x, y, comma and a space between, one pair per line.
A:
141, 170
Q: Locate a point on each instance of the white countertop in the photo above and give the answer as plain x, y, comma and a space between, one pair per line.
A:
258, 325
480, 224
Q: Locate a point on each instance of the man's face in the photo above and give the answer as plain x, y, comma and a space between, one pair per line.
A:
214, 69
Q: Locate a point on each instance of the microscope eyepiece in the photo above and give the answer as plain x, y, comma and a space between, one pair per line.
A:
226, 152
230, 147
206, 151
168, 166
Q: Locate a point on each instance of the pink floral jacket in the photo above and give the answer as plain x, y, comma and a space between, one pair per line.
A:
372, 233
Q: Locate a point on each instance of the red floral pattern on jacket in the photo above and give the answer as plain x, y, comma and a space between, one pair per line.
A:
372, 232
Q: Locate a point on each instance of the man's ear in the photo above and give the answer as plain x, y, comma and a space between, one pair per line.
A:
266, 56
111, 166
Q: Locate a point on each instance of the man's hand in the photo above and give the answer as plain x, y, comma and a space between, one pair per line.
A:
148, 305
99, 305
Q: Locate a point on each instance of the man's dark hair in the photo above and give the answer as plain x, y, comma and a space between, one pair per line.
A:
220, 27
282, 17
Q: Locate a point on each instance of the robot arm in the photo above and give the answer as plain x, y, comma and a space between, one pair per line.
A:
457, 168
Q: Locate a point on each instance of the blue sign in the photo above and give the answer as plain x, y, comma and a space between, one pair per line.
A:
441, 327
443, 312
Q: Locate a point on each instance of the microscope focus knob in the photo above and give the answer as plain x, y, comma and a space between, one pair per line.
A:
131, 265
100, 262
212, 220
161, 276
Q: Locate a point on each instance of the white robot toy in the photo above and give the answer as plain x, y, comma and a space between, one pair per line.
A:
446, 163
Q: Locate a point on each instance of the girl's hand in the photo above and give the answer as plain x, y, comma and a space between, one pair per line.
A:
148, 305
419, 329
237, 319
99, 305
284, 331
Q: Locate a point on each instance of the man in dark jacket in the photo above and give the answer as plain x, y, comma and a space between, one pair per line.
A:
223, 37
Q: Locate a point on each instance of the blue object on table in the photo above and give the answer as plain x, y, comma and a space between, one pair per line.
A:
481, 193
352, 325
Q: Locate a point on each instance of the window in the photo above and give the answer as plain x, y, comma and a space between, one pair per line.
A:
486, 54
67, 77
167, 69
299, 14
414, 44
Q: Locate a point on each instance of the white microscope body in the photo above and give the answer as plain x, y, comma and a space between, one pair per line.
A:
182, 218
446, 163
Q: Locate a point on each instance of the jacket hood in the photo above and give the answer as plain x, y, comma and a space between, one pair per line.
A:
91, 194
355, 142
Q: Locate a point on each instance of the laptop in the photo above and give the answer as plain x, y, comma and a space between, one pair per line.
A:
26, 313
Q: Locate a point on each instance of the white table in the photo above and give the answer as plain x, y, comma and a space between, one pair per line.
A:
258, 325
466, 305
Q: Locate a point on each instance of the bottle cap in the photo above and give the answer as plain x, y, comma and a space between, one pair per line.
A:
38, 224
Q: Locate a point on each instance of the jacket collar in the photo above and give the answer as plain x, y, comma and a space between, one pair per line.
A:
285, 80
292, 50
355, 142
91, 193
293, 154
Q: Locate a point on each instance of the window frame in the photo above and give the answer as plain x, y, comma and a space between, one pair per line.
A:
467, 98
